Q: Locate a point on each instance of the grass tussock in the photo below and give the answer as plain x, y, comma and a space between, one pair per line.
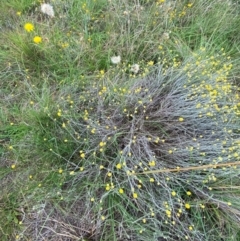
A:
119, 121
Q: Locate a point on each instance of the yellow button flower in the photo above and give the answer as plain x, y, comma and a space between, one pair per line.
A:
118, 166
135, 195
187, 206
121, 191
174, 193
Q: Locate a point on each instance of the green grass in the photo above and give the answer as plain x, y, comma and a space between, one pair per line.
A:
90, 150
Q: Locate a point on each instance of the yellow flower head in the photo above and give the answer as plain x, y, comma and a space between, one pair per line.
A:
107, 187
174, 193
151, 179
118, 166
187, 206
121, 191
28, 27
150, 63
168, 212
135, 195
152, 163
37, 39
102, 143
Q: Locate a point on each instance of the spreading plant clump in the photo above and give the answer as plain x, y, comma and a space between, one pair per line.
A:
128, 143
120, 121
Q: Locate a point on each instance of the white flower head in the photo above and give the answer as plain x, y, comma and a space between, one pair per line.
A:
116, 59
165, 36
47, 9
135, 68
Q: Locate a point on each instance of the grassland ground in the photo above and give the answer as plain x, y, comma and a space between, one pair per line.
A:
119, 120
